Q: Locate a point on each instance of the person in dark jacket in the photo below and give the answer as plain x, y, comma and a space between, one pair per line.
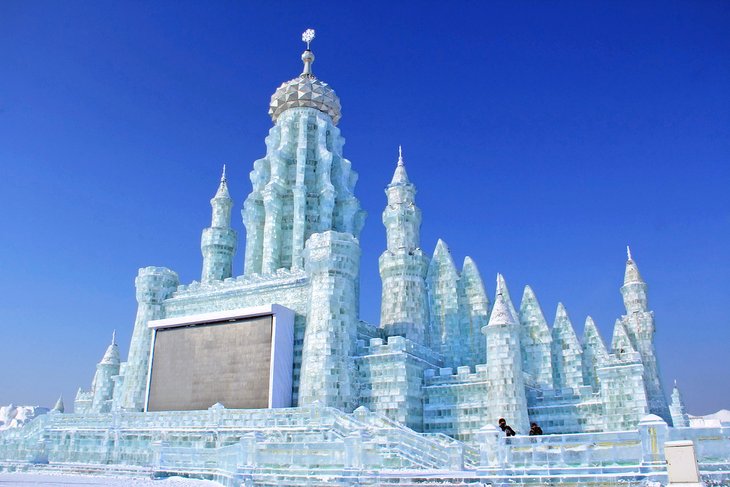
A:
508, 431
535, 430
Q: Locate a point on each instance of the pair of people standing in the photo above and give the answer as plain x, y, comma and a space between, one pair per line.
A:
535, 430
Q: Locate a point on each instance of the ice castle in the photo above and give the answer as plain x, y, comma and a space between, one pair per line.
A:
421, 390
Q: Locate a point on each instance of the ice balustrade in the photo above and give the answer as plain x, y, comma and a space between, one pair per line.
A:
712, 445
225, 442
571, 450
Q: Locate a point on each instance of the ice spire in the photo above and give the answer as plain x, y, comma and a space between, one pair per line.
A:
502, 289
442, 281
535, 340
475, 310
632, 271
400, 176
680, 418
566, 352
223, 187
501, 314
595, 354
59, 407
111, 356
621, 344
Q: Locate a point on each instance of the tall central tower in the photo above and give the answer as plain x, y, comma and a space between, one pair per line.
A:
302, 216
303, 185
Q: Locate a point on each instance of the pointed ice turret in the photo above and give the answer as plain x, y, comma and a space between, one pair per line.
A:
218, 243
102, 387
595, 354
506, 389
566, 352
639, 326
59, 407
400, 176
502, 289
535, 340
475, 310
403, 265
621, 345
444, 331
680, 418
634, 288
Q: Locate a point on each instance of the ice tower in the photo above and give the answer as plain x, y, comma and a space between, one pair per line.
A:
302, 214
403, 265
218, 243
639, 324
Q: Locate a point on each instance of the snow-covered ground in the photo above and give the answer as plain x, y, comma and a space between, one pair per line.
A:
48, 480
714, 420
14, 416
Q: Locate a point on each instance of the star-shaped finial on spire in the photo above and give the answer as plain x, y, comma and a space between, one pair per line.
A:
308, 37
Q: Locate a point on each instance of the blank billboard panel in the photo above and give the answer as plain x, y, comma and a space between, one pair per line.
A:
197, 365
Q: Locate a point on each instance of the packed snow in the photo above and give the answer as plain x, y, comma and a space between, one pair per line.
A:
48, 480
12, 416
714, 420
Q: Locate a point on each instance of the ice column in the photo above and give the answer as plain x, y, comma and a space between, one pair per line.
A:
506, 392
154, 285
332, 260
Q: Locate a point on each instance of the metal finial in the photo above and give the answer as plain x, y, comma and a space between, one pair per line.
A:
628, 252
400, 156
223, 176
308, 55
308, 37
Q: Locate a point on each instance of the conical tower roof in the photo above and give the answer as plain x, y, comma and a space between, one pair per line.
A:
222, 192
59, 405
502, 314
400, 176
502, 289
111, 356
632, 271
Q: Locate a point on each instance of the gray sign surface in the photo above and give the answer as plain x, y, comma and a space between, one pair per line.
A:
194, 367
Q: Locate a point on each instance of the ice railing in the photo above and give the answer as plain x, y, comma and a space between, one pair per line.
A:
443, 448
580, 449
363, 440
712, 445
644, 446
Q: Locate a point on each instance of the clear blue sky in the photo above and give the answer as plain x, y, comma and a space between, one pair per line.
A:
543, 137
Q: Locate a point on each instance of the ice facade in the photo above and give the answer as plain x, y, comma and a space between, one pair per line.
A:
421, 389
